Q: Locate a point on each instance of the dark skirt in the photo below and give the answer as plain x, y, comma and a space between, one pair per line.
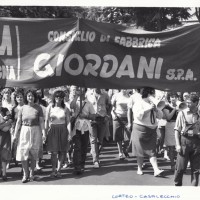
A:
5, 146
144, 141
57, 138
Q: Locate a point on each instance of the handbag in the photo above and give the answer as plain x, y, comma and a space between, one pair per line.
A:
73, 118
188, 132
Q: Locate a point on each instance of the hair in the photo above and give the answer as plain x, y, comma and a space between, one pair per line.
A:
6, 90
17, 93
170, 94
67, 91
194, 98
61, 94
1, 97
146, 91
33, 93
42, 91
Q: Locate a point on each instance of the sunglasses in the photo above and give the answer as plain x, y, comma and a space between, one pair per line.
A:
59, 97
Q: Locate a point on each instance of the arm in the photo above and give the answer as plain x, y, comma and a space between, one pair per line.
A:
17, 128
67, 116
168, 114
41, 120
159, 113
177, 129
130, 117
46, 124
177, 139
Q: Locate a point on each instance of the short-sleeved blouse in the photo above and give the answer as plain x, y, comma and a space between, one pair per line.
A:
30, 114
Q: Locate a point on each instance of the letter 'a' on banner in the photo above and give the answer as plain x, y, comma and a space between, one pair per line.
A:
53, 52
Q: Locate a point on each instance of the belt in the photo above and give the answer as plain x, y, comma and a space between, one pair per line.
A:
191, 136
29, 124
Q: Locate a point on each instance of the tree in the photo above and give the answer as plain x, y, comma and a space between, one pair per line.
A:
151, 19
197, 13
41, 11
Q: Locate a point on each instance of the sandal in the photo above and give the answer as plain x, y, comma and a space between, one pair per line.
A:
53, 175
121, 157
139, 172
32, 178
25, 179
59, 175
4, 178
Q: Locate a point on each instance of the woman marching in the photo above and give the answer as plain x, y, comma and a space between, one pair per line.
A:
19, 102
170, 112
30, 127
57, 119
144, 130
5, 139
119, 102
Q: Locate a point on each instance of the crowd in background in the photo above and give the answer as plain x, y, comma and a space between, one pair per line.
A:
65, 121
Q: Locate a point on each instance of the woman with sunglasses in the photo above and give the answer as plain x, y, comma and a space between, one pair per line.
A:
30, 127
57, 119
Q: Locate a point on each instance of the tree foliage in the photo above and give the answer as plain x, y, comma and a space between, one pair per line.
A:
150, 18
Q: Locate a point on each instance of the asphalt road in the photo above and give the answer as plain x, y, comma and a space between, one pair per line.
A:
112, 172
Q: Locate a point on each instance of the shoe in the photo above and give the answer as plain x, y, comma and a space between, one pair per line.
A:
126, 155
4, 178
38, 168
25, 179
144, 166
172, 168
121, 157
31, 178
77, 172
166, 158
139, 172
96, 165
53, 175
69, 163
158, 173
59, 175
178, 184
65, 166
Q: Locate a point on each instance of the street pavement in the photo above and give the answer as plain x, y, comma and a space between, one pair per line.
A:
113, 172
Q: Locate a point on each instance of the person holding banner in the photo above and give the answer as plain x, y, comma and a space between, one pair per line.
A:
30, 131
187, 137
57, 119
119, 115
144, 130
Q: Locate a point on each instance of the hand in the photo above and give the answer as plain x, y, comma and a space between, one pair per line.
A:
43, 138
178, 148
82, 116
15, 140
153, 106
77, 93
129, 126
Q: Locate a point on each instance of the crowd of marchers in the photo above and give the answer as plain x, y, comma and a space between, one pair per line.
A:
66, 121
